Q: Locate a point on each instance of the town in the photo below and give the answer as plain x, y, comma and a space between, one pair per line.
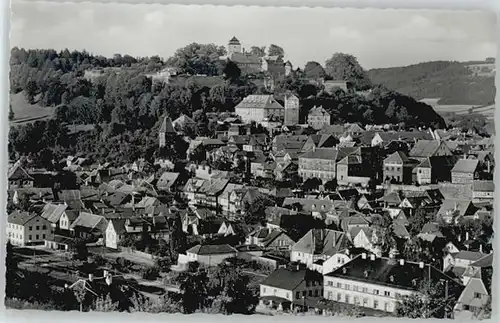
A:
295, 192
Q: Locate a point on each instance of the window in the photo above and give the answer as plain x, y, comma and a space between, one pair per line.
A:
375, 303
30, 228
347, 287
43, 236
365, 301
287, 295
304, 293
339, 297
37, 237
316, 293
37, 227
329, 295
365, 290
356, 300
339, 285
330, 283
310, 294
477, 295
29, 237
386, 307
387, 293
355, 288
44, 227
346, 298
375, 291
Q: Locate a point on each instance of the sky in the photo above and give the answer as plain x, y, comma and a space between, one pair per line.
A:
377, 37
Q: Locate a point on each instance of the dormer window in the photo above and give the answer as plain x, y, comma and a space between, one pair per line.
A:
365, 273
391, 278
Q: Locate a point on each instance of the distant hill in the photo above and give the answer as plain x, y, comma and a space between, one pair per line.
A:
453, 82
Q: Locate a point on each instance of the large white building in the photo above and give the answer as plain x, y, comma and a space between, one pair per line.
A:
259, 108
25, 228
380, 283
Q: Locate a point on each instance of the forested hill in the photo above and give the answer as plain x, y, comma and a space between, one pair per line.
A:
453, 82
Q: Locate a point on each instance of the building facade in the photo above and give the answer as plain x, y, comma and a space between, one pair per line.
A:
291, 110
318, 117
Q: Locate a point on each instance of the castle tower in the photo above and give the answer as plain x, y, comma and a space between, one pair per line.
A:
234, 46
288, 68
166, 128
291, 110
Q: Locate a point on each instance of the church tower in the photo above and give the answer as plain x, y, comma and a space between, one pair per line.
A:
234, 46
166, 128
291, 110
288, 68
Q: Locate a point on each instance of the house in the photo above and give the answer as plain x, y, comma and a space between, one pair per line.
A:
115, 232
434, 169
452, 210
19, 177
379, 283
292, 104
210, 255
184, 124
322, 162
398, 168
24, 228
318, 117
429, 148
258, 108
52, 213
266, 238
286, 287
461, 259
285, 170
465, 171
318, 244
473, 298
89, 226
381, 138
167, 181
483, 190
331, 85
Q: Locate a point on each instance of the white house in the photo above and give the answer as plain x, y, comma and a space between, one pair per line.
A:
379, 283
24, 228
210, 255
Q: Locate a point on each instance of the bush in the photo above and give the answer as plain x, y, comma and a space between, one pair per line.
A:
151, 273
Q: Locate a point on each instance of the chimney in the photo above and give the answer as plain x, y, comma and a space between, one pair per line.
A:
363, 255
344, 270
105, 273
402, 262
372, 257
391, 278
91, 277
467, 235
421, 265
365, 273
480, 248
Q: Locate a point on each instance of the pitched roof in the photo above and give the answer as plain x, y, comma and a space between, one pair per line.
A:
483, 186
321, 153
468, 255
309, 204
389, 272
167, 179
322, 241
318, 111
485, 261
118, 225
289, 279
465, 166
17, 172
20, 218
212, 249
53, 212
425, 148
167, 126
234, 41
258, 101
468, 296
90, 221
397, 156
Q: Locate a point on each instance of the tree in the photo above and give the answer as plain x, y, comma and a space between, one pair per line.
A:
258, 51
231, 71
11, 113
30, 91
314, 70
429, 302
198, 58
346, 67
255, 212
331, 185
312, 183
275, 50
80, 292
24, 202
104, 304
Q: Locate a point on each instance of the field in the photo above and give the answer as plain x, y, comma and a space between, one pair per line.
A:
25, 112
445, 110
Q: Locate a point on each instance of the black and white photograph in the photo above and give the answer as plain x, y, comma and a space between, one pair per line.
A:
265, 161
